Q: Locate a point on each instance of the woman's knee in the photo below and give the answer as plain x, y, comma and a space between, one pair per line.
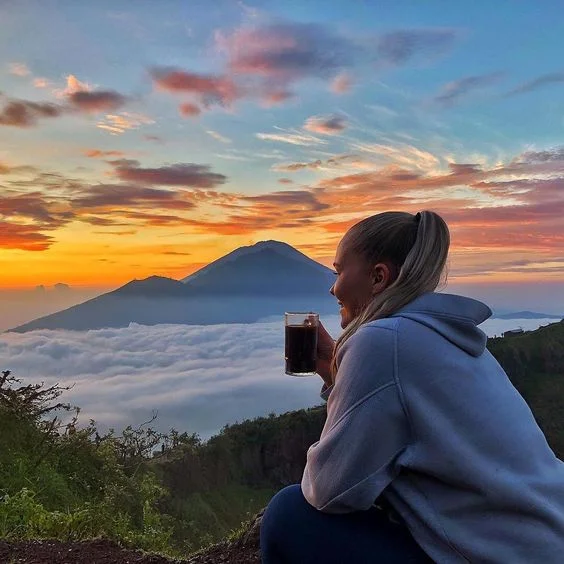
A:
284, 506
280, 523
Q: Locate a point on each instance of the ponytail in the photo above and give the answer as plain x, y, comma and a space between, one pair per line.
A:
416, 244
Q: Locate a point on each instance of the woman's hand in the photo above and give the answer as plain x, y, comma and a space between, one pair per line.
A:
325, 346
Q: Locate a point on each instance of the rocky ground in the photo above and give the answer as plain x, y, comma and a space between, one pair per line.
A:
244, 550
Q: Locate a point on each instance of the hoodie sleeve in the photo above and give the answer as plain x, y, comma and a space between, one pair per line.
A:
366, 427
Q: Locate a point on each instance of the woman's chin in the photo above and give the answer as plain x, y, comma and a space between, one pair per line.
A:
344, 320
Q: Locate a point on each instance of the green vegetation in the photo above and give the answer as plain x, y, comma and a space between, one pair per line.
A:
173, 493
535, 363
166, 493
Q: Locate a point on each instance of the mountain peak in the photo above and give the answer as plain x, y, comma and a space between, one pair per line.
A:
270, 246
153, 285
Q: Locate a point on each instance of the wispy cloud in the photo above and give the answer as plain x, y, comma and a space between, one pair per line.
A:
100, 153
342, 83
103, 196
293, 137
401, 46
288, 200
453, 92
403, 155
539, 82
19, 69
116, 124
154, 138
276, 97
331, 163
218, 137
41, 82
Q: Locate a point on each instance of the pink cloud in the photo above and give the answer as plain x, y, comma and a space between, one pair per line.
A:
189, 110
285, 51
341, 84
100, 153
272, 58
208, 89
74, 85
19, 69
40, 82
276, 97
326, 125
181, 174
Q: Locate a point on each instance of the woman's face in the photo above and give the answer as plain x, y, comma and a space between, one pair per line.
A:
354, 286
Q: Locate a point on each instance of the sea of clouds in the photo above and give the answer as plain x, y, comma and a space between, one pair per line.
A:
198, 378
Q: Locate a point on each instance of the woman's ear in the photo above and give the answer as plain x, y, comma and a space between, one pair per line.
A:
381, 277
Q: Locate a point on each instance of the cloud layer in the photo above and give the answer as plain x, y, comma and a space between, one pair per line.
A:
197, 378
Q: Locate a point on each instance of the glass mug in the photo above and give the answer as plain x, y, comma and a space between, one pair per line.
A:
301, 342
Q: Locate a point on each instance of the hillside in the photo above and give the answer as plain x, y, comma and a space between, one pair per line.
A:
534, 361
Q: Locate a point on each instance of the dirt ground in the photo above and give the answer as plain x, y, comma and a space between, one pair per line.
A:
245, 550
108, 552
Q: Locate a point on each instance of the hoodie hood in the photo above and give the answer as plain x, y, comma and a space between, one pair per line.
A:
454, 317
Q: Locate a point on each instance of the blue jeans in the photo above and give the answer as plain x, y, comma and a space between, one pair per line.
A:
294, 532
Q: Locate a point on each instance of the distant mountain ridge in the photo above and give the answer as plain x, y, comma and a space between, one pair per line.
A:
527, 315
248, 284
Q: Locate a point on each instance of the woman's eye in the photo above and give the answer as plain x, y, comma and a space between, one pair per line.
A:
335, 273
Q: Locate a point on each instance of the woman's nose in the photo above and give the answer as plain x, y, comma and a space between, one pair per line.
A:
332, 290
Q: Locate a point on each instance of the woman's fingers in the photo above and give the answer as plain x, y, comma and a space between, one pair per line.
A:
325, 343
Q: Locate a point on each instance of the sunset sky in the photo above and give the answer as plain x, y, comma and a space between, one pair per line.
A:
151, 137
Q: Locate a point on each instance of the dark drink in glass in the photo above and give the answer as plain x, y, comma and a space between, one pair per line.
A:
301, 343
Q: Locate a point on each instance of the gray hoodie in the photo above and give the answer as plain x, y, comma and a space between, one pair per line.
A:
422, 413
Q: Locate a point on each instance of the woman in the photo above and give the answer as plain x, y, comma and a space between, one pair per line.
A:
428, 452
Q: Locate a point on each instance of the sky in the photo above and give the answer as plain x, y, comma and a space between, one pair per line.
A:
141, 138
195, 378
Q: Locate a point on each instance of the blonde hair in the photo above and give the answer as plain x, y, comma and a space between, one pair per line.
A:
417, 245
